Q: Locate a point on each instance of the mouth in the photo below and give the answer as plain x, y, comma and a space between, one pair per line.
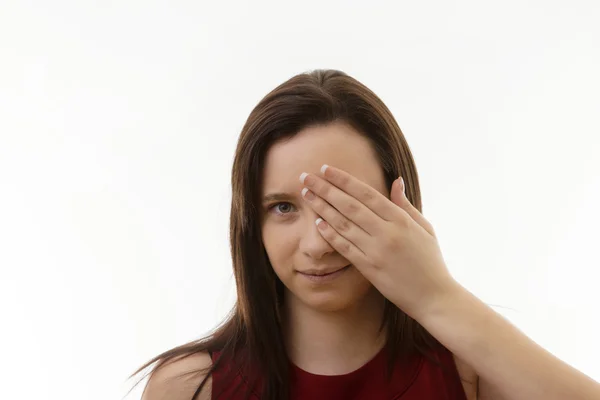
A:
324, 275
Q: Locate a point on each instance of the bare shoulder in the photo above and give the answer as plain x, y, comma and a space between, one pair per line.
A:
475, 387
176, 379
468, 377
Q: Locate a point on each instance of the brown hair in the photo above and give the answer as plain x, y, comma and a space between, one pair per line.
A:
251, 335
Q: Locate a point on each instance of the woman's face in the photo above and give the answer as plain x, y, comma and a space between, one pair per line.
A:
291, 238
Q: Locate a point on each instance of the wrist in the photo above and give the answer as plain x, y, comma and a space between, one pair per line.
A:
448, 297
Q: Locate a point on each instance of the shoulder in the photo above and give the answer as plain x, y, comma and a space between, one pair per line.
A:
179, 379
475, 387
468, 378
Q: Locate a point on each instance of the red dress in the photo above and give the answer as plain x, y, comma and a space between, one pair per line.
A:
414, 379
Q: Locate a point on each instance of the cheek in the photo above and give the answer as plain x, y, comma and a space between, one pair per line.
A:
280, 247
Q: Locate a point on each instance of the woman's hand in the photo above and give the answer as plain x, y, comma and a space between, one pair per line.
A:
388, 241
395, 248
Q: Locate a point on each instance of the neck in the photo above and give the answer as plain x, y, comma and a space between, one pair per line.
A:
333, 342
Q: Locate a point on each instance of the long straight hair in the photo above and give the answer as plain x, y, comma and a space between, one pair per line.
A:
251, 336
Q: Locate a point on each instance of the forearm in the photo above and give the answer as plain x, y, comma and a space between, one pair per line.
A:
501, 354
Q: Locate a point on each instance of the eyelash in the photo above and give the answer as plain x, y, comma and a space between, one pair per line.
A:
277, 204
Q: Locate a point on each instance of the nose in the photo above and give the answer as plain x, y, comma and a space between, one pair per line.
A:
313, 244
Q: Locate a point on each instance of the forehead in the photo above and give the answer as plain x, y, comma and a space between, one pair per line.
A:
336, 144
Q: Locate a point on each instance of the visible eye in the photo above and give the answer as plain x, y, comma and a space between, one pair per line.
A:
282, 210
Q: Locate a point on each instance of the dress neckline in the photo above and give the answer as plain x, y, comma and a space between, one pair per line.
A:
377, 360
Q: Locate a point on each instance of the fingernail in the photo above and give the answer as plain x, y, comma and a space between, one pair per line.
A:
303, 176
403, 185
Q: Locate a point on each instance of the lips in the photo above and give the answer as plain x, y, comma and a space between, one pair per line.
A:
323, 272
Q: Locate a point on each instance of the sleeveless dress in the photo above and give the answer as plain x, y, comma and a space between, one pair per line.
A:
415, 379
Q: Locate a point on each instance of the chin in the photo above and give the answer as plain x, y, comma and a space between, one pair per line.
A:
328, 303
332, 300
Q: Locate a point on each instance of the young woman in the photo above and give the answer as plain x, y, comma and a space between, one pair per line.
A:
342, 291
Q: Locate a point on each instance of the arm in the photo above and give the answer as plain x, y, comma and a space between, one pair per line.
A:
509, 364
394, 246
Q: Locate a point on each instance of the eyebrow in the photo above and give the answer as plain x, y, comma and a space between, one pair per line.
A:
280, 196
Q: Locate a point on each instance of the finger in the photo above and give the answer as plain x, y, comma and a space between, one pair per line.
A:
364, 193
399, 198
344, 203
342, 225
348, 250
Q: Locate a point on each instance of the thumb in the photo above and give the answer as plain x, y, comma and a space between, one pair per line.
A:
398, 197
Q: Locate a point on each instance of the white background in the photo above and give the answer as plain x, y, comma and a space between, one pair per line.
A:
118, 122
